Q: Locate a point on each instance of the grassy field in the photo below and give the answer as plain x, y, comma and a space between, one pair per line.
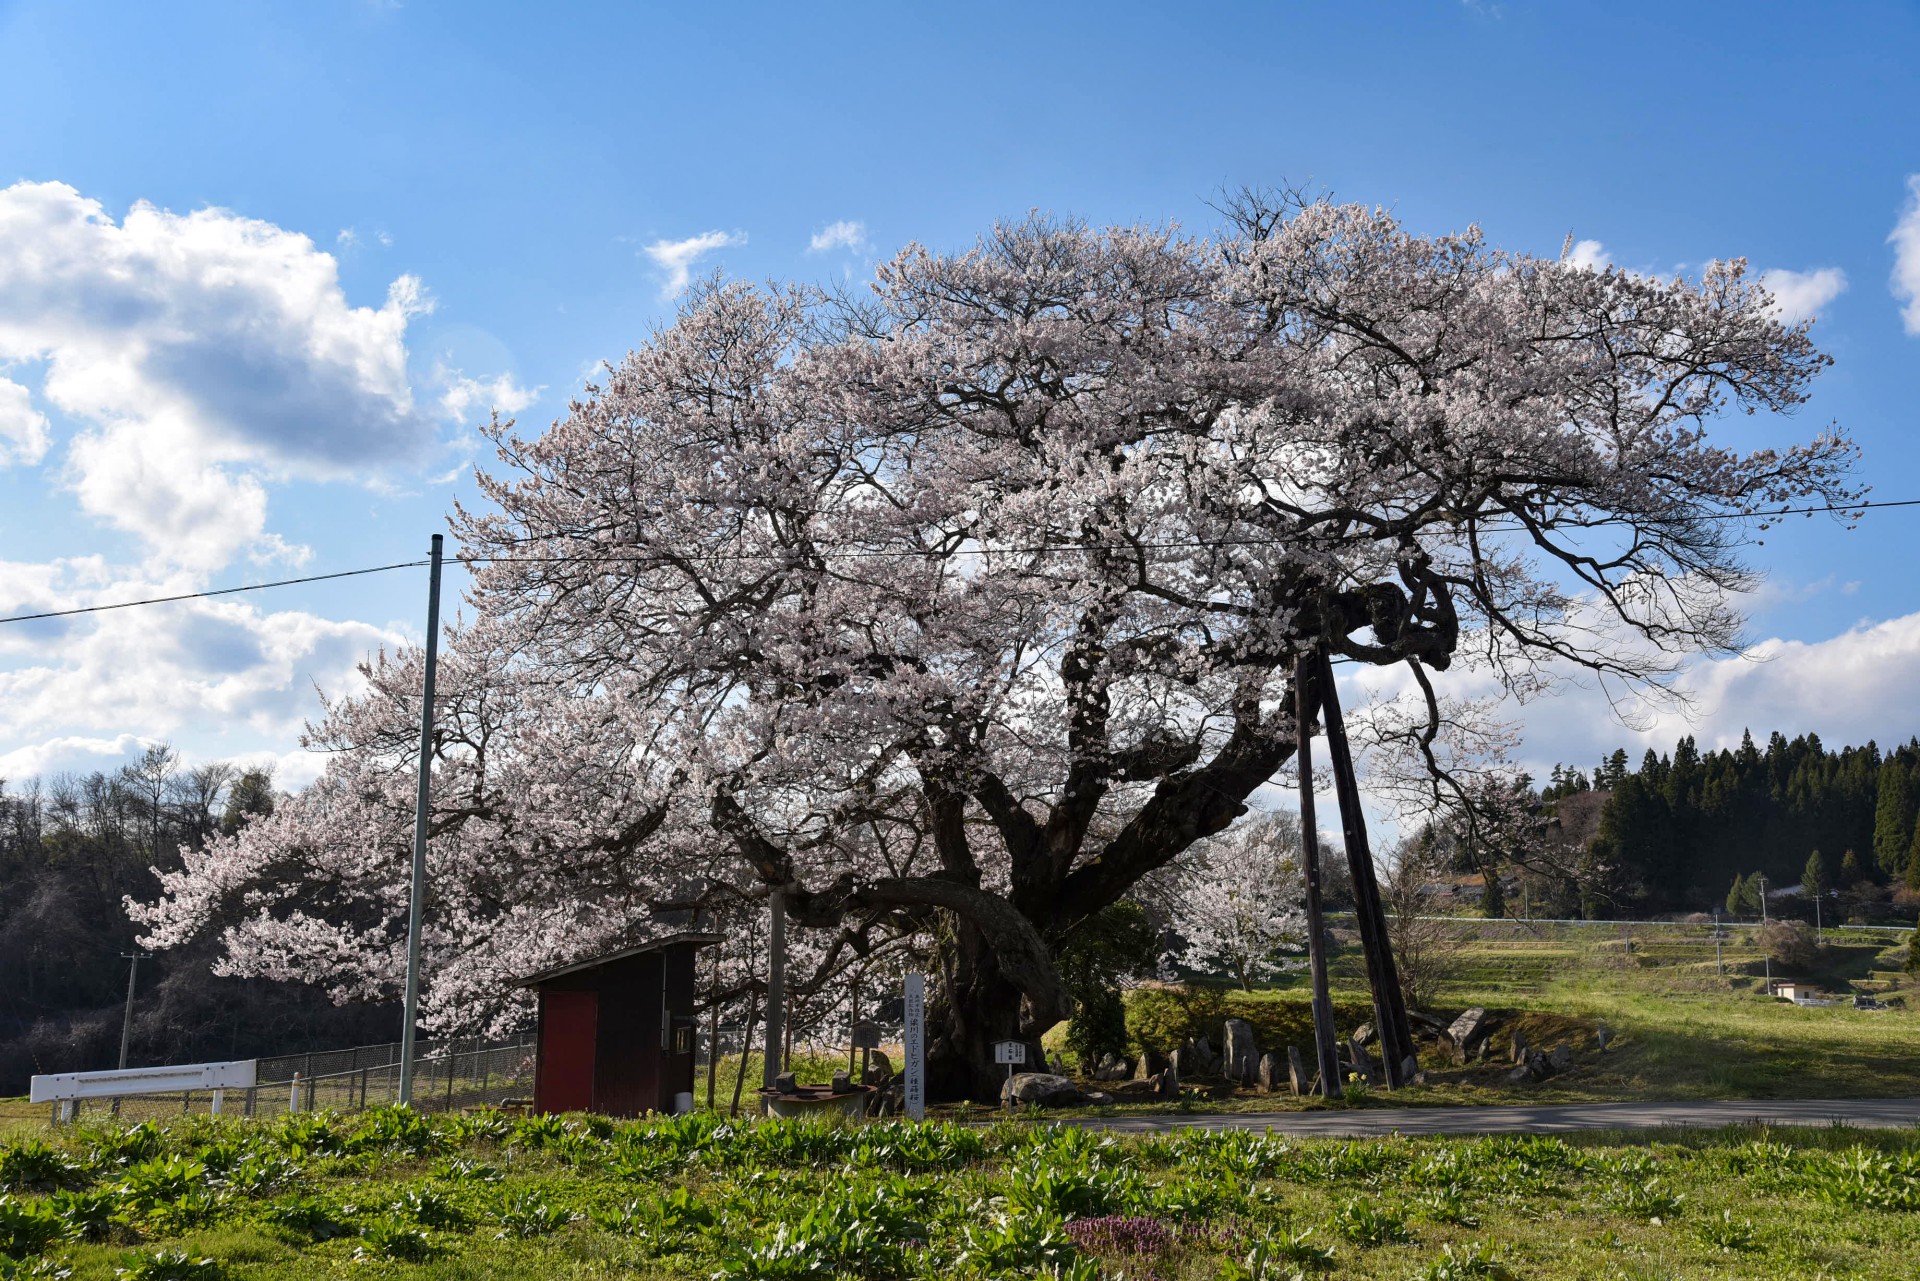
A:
481, 1196
1679, 1028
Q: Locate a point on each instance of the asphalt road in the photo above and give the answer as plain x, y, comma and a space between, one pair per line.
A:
1885, 1114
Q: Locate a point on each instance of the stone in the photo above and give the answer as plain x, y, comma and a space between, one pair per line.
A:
1602, 1034
1041, 1089
1517, 1046
1114, 1070
1427, 1022
879, 1070
841, 1083
1533, 1068
1151, 1063
1273, 1072
1296, 1071
1241, 1059
1099, 1098
1560, 1058
1362, 1034
1466, 1033
784, 1083
1410, 1073
1362, 1061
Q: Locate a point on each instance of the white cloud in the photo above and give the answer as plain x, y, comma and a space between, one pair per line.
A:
466, 397
677, 257
221, 677
1905, 239
1799, 295
1590, 254
201, 355
23, 429
839, 235
1861, 684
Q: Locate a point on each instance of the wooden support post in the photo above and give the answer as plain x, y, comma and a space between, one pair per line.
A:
1325, 1047
746, 1048
1383, 976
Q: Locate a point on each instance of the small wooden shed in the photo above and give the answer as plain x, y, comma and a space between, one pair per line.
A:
616, 1033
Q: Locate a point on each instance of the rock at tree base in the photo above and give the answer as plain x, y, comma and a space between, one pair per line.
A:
1273, 1072
1466, 1033
1041, 1089
1410, 1073
1296, 1071
1241, 1059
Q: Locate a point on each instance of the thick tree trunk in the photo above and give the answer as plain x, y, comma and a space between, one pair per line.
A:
978, 1005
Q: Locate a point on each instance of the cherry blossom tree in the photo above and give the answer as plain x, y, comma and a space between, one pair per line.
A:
1235, 898
954, 611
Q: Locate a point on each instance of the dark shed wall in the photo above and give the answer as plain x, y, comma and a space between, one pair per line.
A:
676, 1070
628, 1080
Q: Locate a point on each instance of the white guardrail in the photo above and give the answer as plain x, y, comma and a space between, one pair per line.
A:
65, 1088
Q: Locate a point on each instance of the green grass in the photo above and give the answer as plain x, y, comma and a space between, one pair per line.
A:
1680, 1030
389, 1195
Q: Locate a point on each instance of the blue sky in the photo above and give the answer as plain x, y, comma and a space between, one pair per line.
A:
192, 398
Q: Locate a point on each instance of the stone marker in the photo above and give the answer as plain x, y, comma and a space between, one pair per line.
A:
1151, 1063
1466, 1033
1363, 1034
841, 1083
1560, 1057
1273, 1072
1241, 1060
1296, 1071
1517, 1046
1602, 1034
784, 1083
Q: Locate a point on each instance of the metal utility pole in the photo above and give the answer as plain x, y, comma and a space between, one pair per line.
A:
1325, 1050
1766, 957
133, 960
1719, 961
418, 905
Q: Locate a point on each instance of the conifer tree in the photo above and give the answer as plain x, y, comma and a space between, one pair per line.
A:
1813, 880
1737, 896
1851, 873
1893, 819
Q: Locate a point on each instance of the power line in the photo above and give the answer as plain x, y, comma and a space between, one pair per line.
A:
657, 558
218, 591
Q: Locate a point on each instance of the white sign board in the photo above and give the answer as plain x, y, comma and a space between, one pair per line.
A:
1009, 1051
915, 1037
60, 1086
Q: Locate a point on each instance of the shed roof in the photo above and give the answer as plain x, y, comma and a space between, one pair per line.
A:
694, 938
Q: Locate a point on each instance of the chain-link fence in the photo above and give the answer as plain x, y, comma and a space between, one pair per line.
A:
447, 1076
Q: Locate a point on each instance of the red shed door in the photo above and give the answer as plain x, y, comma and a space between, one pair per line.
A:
568, 1023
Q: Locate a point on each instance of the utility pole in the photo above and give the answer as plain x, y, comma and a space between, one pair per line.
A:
1719, 961
418, 905
133, 960
1766, 957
